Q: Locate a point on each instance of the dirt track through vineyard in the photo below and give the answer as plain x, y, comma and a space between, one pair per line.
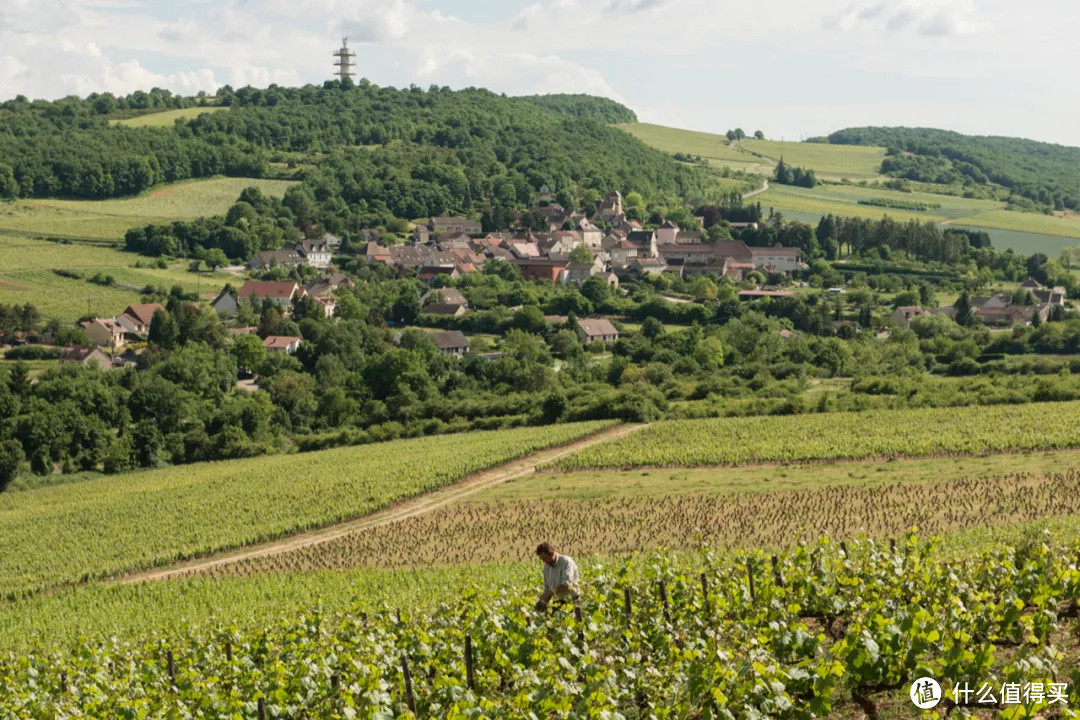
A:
409, 508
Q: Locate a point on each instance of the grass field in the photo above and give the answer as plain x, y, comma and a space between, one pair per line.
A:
26, 276
166, 118
761, 156
67, 533
828, 161
110, 219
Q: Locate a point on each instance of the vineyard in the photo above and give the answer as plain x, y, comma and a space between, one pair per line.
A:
488, 531
840, 436
69, 533
819, 631
900, 204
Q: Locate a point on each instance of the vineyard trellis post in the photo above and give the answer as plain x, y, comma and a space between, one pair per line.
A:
171, 666
626, 604
410, 699
262, 709
704, 591
750, 575
580, 622
228, 650
469, 667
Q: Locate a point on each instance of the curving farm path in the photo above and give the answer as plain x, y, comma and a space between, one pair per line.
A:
408, 508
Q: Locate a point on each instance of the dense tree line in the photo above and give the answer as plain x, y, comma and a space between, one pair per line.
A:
586, 106
787, 175
1045, 173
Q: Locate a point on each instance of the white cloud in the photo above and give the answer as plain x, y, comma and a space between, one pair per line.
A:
924, 17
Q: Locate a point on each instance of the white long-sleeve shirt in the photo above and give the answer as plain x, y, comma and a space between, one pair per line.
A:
563, 572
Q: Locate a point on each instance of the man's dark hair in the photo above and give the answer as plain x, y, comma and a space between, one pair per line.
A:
544, 548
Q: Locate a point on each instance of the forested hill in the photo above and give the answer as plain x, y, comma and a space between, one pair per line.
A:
1045, 173
595, 108
418, 152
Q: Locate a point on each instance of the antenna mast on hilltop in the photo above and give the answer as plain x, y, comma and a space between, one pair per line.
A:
344, 61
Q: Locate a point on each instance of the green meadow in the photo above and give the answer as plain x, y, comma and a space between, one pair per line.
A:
27, 276
110, 219
761, 156
166, 118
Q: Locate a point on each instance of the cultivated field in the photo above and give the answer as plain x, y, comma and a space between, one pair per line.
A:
67, 533
110, 219
166, 118
820, 631
26, 276
839, 436
617, 512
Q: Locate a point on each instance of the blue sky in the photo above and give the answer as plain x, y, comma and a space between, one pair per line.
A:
791, 68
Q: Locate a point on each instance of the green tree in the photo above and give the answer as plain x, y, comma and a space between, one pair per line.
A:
964, 315
582, 254
9, 189
759, 135
634, 200
11, 458
249, 352
215, 258
709, 352
163, 330
652, 328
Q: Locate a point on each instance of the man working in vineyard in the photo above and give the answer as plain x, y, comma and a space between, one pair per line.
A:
560, 576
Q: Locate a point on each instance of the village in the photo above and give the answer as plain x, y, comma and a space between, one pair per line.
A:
572, 250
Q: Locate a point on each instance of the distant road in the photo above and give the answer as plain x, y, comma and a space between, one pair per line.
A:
760, 190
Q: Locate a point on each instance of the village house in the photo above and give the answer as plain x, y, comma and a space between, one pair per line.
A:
430, 272
455, 225
648, 266
277, 292
281, 343
86, 355
596, 330
105, 332
444, 295
544, 195
136, 319
269, 258
316, 254
280, 293
451, 342
580, 272
542, 268
444, 309
591, 235
780, 259
327, 284
904, 314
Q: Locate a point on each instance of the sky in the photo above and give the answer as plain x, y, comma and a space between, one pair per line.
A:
791, 68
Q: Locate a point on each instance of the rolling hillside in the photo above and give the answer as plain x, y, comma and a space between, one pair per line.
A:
859, 165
